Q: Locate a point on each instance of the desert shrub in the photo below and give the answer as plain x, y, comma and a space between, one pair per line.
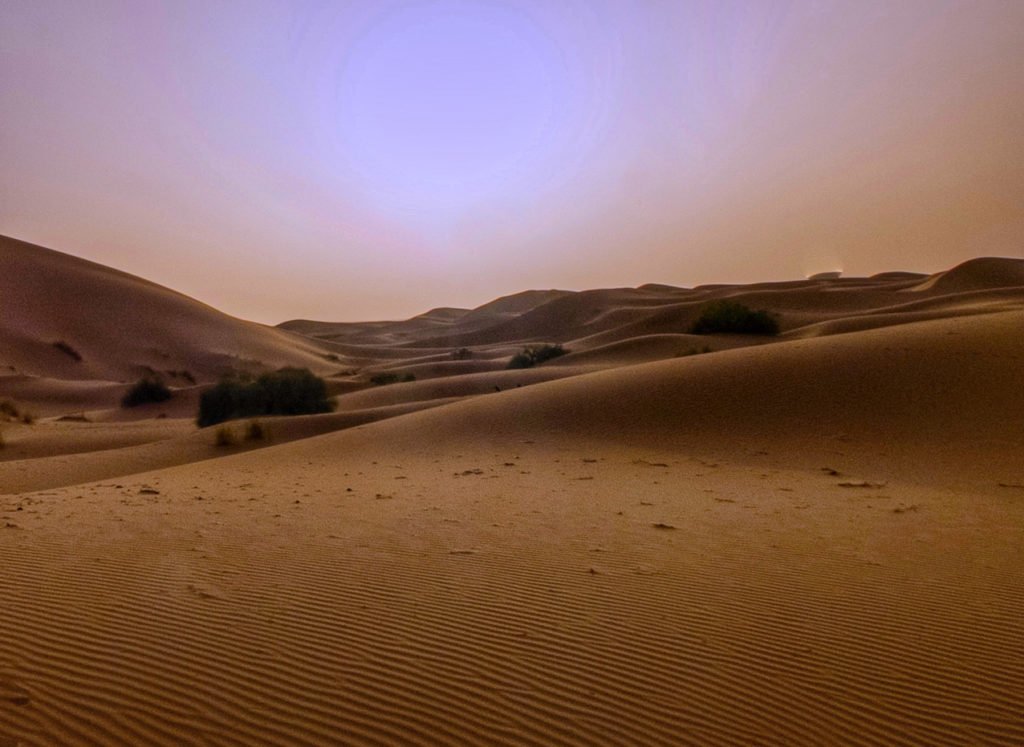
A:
533, 356
145, 391
288, 391
293, 391
462, 354
332, 357
390, 377
225, 437
733, 317
28, 418
9, 410
232, 397
67, 350
256, 431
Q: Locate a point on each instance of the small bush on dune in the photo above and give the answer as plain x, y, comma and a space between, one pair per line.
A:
67, 350
735, 318
9, 410
462, 354
231, 398
533, 356
145, 391
390, 377
289, 391
293, 391
225, 437
255, 431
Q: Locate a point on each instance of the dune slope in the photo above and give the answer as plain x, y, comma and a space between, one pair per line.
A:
815, 541
67, 318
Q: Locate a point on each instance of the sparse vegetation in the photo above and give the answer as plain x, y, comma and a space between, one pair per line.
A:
462, 354
145, 391
256, 431
390, 377
9, 410
533, 356
733, 317
289, 391
332, 357
67, 350
225, 437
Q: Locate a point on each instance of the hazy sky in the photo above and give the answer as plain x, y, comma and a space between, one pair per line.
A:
373, 159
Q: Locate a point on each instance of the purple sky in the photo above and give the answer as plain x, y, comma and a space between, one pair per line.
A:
355, 160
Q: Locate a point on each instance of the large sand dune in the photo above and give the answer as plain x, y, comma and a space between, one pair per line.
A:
810, 539
68, 319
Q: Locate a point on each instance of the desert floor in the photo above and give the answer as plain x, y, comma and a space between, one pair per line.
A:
818, 540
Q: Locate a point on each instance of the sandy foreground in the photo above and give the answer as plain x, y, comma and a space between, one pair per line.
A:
814, 541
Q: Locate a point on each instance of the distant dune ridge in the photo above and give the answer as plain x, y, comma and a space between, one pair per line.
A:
656, 538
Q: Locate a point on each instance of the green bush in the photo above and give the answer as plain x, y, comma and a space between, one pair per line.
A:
289, 391
733, 317
533, 356
144, 391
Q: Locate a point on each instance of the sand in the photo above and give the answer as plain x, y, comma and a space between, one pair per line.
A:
816, 539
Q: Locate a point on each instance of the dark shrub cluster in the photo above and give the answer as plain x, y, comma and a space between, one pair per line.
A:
289, 391
391, 378
67, 350
533, 356
462, 354
733, 317
144, 391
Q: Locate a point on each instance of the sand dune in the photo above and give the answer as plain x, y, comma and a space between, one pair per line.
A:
117, 327
810, 539
975, 274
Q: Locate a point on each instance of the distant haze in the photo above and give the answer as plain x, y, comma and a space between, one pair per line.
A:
373, 159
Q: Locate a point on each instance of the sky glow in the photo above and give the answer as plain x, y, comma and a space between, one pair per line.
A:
375, 158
